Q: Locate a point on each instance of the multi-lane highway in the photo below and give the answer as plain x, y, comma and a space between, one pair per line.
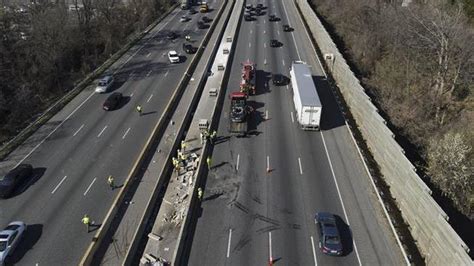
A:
84, 144
263, 191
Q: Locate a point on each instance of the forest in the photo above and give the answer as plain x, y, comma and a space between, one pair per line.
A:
417, 62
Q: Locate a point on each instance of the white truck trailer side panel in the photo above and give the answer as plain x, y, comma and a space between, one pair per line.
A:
305, 97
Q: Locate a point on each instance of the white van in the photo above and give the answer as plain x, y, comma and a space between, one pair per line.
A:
104, 84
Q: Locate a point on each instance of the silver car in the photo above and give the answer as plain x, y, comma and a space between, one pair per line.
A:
104, 84
9, 239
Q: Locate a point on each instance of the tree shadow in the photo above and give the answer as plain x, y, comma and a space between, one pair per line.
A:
346, 236
37, 173
30, 238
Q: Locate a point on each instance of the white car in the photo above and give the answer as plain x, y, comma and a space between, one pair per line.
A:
9, 239
173, 56
104, 84
184, 19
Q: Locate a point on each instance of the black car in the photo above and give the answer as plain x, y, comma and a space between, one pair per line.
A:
113, 101
279, 79
171, 35
259, 6
248, 6
248, 18
274, 43
287, 28
206, 19
259, 12
192, 11
189, 49
15, 177
274, 18
329, 237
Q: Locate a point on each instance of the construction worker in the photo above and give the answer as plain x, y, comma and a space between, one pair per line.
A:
200, 193
139, 109
180, 154
87, 221
183, 145
208, 161
110, 181
213, 137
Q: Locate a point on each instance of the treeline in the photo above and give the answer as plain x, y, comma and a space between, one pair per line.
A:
48, 46
418, 63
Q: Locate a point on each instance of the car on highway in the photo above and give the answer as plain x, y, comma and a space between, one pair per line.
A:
104, 84
173, 56
274, 43
248, 6
329, 237
189, 49
273, 18
279, 79
10, 237
113, 101
10, 181
287, 28
205, 19
258, 12
248, 17
185, 19
192, 11
259, 5
171, 35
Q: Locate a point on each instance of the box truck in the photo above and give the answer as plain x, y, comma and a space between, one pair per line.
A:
305, 97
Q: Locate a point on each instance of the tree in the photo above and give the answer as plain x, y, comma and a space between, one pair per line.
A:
450, 165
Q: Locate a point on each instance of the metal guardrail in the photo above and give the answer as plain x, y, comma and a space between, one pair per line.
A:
437, 240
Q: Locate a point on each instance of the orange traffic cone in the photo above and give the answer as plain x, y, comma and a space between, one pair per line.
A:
270, 262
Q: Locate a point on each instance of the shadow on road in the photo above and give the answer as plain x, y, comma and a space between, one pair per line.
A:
30, 238
38, 172
346, 236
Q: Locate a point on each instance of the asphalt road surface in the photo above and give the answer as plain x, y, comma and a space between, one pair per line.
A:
263, 191
86, 144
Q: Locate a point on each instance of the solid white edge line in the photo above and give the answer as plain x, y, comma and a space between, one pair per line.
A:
292, 118
126, 132
89, 187
292, 33
149, 98
339, 193
77, 131
57, 186
301, 168
392, 227
238, 161
228, 243
143, 45
77, 108
314, 251
54, 130
102, 131
397, 238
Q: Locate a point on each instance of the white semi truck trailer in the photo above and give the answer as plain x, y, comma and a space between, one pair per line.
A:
305, 97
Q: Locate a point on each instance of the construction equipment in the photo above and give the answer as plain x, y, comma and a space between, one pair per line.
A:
247, 85
239, 111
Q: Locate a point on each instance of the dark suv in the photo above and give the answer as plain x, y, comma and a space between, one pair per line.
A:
329, 237
12, 179
189, 49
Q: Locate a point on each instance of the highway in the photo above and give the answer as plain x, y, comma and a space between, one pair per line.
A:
263, 191
83, 144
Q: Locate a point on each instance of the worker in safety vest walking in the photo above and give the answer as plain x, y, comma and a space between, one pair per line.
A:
87, 221
200, 193
111, 182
